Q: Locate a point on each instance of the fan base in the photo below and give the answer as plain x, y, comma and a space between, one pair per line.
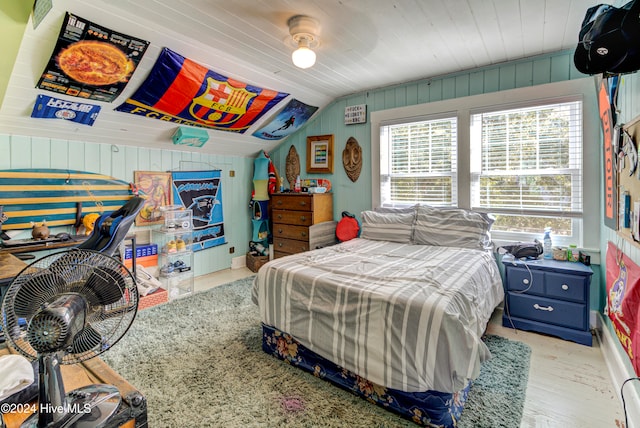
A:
87, 407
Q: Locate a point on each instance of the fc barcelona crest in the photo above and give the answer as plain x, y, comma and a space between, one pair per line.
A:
182, 91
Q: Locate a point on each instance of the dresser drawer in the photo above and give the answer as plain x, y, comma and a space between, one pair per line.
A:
567, 287
296, 203
299, 218
520, 279
549, 311
300, 233
289, 246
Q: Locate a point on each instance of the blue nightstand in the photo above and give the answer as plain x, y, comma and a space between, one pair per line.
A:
548, 296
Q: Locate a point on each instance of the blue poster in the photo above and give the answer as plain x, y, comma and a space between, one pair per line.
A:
47, 107
288, 121
201, 192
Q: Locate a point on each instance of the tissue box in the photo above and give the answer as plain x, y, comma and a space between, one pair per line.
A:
190, 136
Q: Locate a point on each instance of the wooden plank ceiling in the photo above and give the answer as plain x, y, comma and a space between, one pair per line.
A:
364, 44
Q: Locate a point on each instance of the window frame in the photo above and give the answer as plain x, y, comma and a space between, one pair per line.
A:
578, 89
576, 217
451, 116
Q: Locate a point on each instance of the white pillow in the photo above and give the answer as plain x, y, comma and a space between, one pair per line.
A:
387, 226
452, 227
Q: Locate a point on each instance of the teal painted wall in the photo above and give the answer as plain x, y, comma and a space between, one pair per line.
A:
121, 161
356, 197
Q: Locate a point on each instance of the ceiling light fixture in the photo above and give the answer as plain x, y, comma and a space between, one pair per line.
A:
303, 30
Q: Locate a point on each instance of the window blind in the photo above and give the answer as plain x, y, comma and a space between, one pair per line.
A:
527, 163
418, 162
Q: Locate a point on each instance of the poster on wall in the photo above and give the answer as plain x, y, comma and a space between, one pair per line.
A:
288, 121
182, 91
155, 187
610, 181
47, 107
90, 61
623, 302
201, 192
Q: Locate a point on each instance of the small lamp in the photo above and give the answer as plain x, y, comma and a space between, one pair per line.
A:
303, 31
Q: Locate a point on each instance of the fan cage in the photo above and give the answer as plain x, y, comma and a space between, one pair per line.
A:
107, 285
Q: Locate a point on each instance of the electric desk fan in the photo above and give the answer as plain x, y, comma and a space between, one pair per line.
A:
66, 308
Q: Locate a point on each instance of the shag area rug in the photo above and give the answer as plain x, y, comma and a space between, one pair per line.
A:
199, 362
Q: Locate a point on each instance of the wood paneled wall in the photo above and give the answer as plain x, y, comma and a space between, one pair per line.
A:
121, 161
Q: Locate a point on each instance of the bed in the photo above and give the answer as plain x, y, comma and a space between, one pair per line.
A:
396, 316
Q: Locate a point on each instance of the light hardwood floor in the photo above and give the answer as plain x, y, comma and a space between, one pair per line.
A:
569, 385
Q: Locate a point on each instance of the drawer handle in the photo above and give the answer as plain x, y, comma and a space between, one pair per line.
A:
279, 216
280, 244
279, 202
565, 287
303, 218
303, 234
543, 308
303, 203
280, 230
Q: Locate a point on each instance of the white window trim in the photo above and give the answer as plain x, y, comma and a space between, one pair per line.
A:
464, 107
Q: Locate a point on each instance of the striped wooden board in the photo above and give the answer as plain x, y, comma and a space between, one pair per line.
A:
56, 195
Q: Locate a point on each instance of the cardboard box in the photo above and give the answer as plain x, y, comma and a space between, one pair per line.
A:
141, 250
152, 299
148, 261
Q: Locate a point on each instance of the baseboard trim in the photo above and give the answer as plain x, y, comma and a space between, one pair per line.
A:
618, 371
239, 262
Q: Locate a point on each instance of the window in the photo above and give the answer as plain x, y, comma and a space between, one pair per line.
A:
526, 169
418, 163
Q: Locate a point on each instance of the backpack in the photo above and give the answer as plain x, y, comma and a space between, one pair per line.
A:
348, 227
608, 40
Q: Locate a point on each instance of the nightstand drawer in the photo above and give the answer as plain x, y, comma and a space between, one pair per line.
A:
520, 279
566, 314
567, 287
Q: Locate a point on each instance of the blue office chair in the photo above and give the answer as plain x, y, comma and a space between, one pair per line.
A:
110, 229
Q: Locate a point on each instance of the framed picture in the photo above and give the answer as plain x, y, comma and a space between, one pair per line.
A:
320, 154
156, 188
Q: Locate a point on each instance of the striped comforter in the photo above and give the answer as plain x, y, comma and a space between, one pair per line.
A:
408, 317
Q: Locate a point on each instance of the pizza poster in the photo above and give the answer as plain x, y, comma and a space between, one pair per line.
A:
182, 91
623, 302
90, 61
201, 192
289, 120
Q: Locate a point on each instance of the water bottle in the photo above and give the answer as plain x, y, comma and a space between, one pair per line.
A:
546, 244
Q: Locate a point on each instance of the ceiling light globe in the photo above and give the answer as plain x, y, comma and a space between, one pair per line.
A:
303, 57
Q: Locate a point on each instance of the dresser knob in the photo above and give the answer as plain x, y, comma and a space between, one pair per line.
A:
279, 202
279, 216
303, 218
280, 230
279, 244
565, 287
303, 203
303, 234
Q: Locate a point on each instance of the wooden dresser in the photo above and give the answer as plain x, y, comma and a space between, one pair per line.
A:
292, 215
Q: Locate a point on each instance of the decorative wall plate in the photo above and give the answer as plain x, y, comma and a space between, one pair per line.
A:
352, 159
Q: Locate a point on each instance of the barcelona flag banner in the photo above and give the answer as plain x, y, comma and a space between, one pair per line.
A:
181, 91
